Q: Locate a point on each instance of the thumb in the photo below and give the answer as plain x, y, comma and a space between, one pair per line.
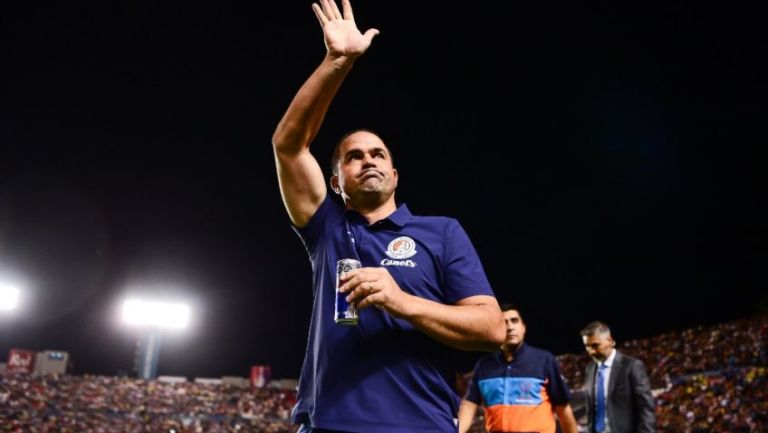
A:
370, 34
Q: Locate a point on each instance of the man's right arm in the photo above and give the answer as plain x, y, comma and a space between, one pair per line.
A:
302, 184
567, 420
645, 406
301, 180
466, 415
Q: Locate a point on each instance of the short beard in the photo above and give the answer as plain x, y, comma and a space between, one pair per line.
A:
371, 196
372, 187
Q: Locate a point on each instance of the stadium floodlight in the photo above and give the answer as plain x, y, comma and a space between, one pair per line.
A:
154, 318
156, 314
9, 297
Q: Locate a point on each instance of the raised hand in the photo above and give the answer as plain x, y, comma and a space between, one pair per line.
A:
342, 37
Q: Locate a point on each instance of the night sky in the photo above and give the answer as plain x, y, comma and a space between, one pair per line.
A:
605, 160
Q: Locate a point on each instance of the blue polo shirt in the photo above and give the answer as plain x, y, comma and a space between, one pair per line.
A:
519, 396
383, 375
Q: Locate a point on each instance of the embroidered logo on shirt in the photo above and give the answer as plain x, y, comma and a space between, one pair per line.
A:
390, 262
401, 248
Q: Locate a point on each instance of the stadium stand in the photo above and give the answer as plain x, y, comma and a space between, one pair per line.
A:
706, 380
100, 404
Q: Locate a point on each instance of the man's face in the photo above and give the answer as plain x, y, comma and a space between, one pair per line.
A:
365, 167
599, 346
515, 328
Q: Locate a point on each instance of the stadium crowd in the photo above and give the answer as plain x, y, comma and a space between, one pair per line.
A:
706, 380
100, 404
729, 401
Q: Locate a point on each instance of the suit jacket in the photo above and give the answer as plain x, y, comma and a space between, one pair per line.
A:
629, 402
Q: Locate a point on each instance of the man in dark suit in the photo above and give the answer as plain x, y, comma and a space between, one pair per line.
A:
618, 391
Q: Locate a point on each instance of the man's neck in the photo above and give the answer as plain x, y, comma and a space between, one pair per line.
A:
510, 351
604, 361
373, 212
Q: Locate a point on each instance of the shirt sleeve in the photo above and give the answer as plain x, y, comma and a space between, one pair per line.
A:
464, 275
558, 388
310, 233
473, 391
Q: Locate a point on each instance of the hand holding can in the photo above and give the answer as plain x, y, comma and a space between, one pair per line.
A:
345, 313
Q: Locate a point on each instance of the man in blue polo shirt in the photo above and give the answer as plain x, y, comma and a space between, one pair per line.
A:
519, 386
391, 373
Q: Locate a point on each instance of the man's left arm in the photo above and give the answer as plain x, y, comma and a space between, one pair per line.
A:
560, 394
472, 323
567, 419
467, 412
645, 406
469, 318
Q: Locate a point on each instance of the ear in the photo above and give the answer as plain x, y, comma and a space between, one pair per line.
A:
395, 176
335, 184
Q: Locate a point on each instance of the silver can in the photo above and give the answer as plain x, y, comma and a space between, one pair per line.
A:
345, 313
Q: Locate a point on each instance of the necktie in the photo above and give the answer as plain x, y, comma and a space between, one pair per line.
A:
600, 406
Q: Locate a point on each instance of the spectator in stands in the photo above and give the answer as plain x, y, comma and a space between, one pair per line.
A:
618, 391
519, 386
421, 272
122, 405
721, 399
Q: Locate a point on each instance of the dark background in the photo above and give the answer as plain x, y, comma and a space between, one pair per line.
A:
605, 160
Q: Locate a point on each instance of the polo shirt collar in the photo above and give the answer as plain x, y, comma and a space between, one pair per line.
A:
399, 218
500, 353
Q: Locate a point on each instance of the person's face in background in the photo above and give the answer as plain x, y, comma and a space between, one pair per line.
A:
515, 329
599, 346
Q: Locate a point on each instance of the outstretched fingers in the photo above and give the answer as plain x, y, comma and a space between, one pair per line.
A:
320, 14
347, 6
330, 9
336, 11
327, 11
